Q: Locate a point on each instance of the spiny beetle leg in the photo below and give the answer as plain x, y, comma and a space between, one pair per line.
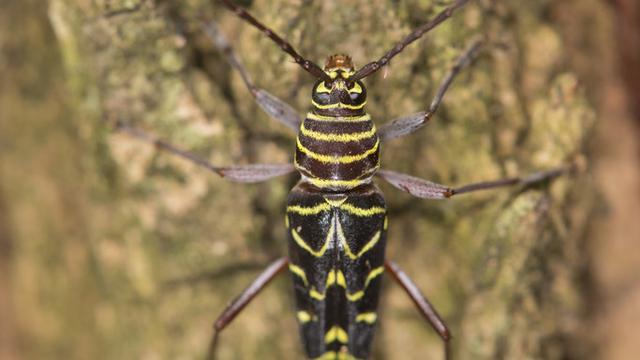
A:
240, 302
421, 302
415, 186
251, 173
278, 109
406, 125
525, 181
254, 173
428, 190
272, 105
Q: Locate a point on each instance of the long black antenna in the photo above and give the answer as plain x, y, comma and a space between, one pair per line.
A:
308, 65
374, 66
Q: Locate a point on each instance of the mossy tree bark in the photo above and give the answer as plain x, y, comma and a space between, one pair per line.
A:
164, 244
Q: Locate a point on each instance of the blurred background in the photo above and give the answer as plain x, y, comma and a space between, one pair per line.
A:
111, 249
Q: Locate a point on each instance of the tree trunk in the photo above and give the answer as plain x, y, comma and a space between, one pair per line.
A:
123, 251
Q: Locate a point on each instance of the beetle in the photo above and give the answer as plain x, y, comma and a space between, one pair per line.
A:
336, 217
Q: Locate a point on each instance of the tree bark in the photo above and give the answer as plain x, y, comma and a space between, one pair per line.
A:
127, 252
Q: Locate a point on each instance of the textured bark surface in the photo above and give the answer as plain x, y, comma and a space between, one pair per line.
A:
121, 251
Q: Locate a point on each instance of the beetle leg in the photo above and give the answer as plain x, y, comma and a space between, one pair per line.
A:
251, 173
428, 190
529, 180
406, 125
240, 302
421, 302
273, 106
415, 186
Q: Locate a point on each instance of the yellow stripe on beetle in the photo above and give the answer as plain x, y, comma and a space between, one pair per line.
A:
347, 137
326, 183
368, 317
300, 272
321, 88
334, 159
305, 317
336, 333
330, 183
335, 277
339, 279
372, 275
309, 210
333, 355
364, 212
339, 105
305, 246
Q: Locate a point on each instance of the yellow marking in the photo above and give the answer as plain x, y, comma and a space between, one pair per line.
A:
356, 89
343, 240
321, 88
330, 183
332, 355
309, 210
353, 210
304, 245
386, 223
335, 277
368, 317
346, 71
355, 296
316, 295
298, 271
336, 333
365, 212
357, 136
372, 275
312, 116
341, 280
324, 183
370, 244
338, 105
331, 279
334, 159
335, 203
304, 317
286, 221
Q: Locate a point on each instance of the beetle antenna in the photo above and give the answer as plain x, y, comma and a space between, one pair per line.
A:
374, 66
308, 65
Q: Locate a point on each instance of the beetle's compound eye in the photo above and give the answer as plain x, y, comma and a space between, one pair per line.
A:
321, 93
